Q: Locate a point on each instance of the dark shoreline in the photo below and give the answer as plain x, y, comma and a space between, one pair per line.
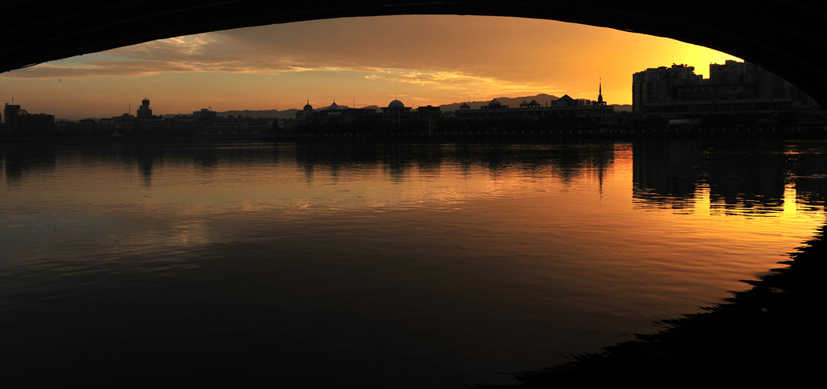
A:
803, 131
771, 335
809, 131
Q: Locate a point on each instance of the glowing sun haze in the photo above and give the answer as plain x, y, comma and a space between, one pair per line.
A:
421, 59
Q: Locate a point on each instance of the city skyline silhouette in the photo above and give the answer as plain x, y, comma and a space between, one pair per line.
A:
452, 59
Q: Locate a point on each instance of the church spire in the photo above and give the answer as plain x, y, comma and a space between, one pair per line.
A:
600, 93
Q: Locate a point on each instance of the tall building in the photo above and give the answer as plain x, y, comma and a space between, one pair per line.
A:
19, 121
144, 111
659, 84
736, 79
733, 88
10, 113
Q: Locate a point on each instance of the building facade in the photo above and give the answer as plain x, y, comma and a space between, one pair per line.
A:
733, 89
595, 110
19, 122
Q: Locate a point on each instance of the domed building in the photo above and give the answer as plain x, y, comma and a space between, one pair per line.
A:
395, 112
305, 113
527, 105
494, 104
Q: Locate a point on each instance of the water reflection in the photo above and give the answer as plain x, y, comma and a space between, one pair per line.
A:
808, 161
749, 177
385, 260
26, 160
566, 159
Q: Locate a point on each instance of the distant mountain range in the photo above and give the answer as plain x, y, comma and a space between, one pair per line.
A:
513, 102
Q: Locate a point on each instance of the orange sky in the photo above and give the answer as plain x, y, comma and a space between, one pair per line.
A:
421, 59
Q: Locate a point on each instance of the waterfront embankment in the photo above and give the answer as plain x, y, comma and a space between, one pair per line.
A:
574, 133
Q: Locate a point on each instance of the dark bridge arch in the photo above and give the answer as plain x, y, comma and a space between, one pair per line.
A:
786, 37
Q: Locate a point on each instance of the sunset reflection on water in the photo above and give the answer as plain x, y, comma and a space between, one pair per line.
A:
464, 260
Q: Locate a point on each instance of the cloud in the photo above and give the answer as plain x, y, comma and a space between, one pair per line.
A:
457, 81
100, 68
187, 55
183, 47
481, 46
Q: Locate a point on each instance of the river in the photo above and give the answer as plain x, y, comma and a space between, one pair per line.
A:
376, 264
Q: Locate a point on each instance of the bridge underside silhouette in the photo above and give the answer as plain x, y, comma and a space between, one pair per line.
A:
784, 37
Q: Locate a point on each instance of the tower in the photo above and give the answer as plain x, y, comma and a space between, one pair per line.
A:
600, 93
144, 111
